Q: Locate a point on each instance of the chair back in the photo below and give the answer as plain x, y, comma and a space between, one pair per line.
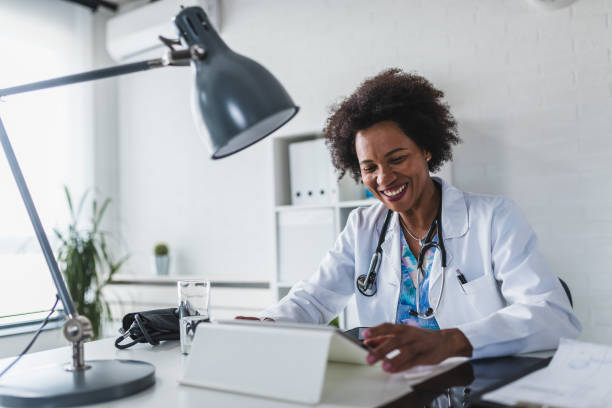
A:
567, 292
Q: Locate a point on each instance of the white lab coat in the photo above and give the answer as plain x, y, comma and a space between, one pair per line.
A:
511, 302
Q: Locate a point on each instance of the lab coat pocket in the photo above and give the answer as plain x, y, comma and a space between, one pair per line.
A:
484, 295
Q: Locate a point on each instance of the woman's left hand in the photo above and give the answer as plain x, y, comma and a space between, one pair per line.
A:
416, 346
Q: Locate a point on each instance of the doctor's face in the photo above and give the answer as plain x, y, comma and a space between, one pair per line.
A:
393, 167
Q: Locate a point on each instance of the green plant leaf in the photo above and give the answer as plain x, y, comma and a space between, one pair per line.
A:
98, 216
80, 208
109, 314
69, 199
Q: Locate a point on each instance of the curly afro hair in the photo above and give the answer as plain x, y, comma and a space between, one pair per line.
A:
409, 100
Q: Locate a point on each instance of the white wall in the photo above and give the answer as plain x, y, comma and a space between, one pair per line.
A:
105, 165
531, 90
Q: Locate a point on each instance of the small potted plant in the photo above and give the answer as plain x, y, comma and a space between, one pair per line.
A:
162, 258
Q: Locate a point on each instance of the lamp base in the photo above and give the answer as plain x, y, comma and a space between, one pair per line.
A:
53, 385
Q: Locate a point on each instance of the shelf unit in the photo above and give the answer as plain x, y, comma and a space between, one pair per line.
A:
297, 260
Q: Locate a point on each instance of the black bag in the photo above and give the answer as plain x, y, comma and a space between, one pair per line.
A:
151, 326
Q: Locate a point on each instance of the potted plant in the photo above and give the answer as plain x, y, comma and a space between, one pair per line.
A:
162, 258
86, 262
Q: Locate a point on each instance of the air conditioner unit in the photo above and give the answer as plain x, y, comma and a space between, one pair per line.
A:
134, 34
550, 4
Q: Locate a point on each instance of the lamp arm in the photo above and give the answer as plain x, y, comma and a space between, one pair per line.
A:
171, 57
84, 76
62, 291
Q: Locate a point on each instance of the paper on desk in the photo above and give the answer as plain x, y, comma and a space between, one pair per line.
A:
423, 373
578, 376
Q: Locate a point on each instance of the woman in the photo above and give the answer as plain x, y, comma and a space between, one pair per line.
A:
495, 296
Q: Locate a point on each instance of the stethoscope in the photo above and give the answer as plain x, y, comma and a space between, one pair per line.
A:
366, 284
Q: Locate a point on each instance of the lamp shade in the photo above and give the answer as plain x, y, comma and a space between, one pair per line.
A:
237, 100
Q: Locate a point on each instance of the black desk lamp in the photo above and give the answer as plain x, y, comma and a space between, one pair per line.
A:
239, 103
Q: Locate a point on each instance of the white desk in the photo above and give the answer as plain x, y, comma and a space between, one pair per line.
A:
346, 385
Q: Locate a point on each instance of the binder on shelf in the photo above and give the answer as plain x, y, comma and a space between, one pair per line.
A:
313, 177
349, 189
298, 169
323, 175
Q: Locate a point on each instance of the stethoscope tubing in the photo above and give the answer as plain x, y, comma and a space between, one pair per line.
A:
366, 284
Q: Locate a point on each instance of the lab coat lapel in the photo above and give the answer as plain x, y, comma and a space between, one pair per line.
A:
454, 225
390, 268
454, 211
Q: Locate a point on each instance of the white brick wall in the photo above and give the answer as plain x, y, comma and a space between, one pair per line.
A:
532, 91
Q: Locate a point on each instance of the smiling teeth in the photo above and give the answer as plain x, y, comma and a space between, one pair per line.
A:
395, 192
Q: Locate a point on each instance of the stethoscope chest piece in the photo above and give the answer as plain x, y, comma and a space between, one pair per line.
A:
365, 289
366, 283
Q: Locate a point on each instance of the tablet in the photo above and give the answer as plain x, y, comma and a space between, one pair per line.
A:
344, 348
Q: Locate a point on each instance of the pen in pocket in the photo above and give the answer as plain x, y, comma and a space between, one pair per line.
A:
461, 279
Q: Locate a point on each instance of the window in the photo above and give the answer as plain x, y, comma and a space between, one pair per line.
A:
52, 134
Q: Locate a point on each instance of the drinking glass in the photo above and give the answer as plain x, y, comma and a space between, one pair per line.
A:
194, 298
